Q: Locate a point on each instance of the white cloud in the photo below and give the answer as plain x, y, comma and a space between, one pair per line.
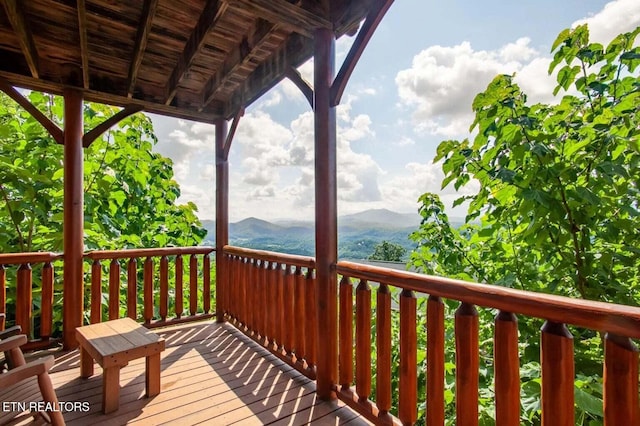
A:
615, 18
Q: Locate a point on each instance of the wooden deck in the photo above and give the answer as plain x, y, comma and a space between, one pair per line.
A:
211, 374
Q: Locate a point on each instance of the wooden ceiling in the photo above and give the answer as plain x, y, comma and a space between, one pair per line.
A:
194, 59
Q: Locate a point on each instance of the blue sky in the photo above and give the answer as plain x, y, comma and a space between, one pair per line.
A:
412, 89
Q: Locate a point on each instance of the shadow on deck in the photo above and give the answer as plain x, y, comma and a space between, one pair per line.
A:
211, 374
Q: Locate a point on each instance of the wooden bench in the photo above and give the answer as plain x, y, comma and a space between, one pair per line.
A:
113, 344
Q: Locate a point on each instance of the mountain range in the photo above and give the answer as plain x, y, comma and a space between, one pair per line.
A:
358, 234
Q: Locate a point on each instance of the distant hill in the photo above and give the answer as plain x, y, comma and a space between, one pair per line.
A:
358, 234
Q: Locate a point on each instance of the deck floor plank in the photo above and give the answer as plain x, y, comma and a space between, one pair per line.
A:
210, 374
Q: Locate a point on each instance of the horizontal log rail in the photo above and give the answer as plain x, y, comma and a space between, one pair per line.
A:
33, 314
158, 289
617, 323
271, 297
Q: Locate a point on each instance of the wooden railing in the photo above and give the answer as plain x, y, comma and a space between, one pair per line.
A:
615, 322
271, 297
156, 293
38, 324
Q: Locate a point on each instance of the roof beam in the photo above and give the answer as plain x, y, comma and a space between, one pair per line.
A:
281, 12
84, 44
236, 59
94, 133
15, 14
50, 126
371, 22
144, 28
212, 12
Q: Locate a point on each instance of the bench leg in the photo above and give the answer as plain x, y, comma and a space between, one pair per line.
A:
152, 375
86, 364
110, 389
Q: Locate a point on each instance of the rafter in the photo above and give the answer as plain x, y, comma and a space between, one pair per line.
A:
364, 35
52, 128
15, 14
289, 15
243, 53
144, 28
212, 12
84, 44
93, 134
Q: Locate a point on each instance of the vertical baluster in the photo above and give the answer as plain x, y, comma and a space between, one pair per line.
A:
193, 284
345, 354
557, 375
132, 289
408, 401
300, 328
236, 301
280, 318
383, 349
114, 289
24, 301
264, 297
363, 340
164, 288
245, 306
96, 292
3, 296
230, 305
311, 335
273, 298
252, 288
46, 304
507, 369
435, 361
206, 282
179, 305
288, 299
148, 290
620, 381
467, 364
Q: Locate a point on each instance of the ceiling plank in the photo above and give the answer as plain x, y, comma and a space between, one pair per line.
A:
212, 12
144, 29
236, 59
289, 15
84, 44
357, 48
15, 14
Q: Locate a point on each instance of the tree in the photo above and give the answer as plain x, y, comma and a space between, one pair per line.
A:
389, 252
130, 195
557, 207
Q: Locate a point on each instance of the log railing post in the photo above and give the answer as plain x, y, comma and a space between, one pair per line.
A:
289, 299
24, 298
363, 340
114, 289
557, 375
46, 302
383, 357
435, 361
148, 290
346, 333
408, 380
620, 381
507, 369
193, 284
164, 288
179, 304
3, 296
132, 289
300, 327
467, 363
96, 292
206, 282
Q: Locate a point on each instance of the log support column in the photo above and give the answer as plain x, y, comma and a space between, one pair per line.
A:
222, 216
73, 226
326, 214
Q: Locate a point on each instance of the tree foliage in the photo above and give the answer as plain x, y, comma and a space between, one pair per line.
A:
389, 252
129, 192
557, 207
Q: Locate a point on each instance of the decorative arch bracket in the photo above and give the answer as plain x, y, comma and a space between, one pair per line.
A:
94, 133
